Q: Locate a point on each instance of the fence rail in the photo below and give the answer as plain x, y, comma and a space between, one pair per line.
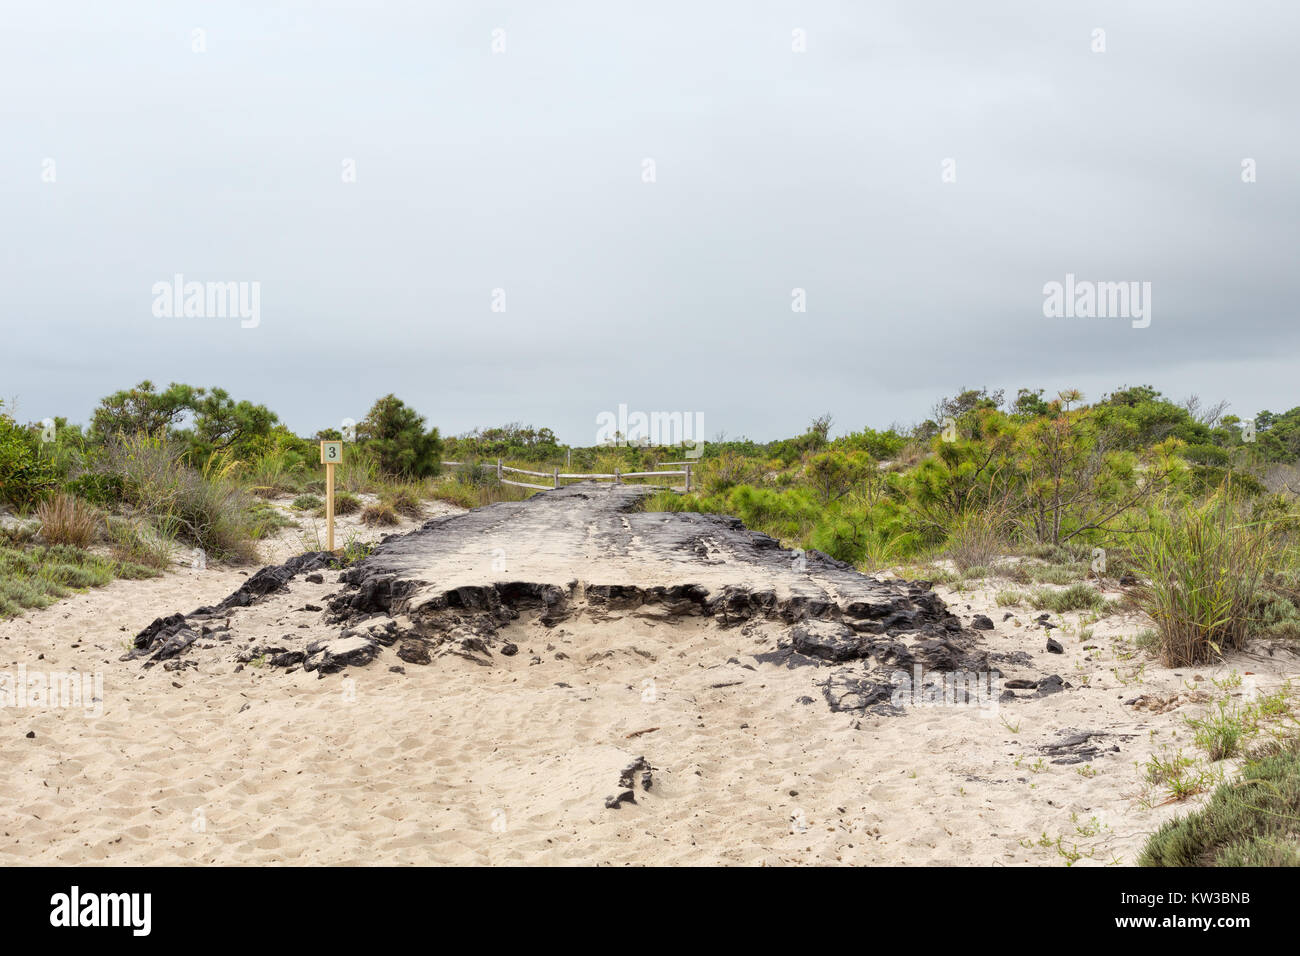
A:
557, 476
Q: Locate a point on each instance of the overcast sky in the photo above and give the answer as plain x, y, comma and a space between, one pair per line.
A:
523, 170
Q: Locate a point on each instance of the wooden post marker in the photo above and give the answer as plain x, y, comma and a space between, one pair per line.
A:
331, 453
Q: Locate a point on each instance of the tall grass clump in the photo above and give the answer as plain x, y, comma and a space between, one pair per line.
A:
456, 493
208, 507
69, 520
346, 503
379, 514
405, 498
278, 471
976, 540
359, 472
1077, 597
1203, 567
138, 542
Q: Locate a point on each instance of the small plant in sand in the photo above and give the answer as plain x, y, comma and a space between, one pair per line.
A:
404, 499
307, 503
1077, 597
353, 551
1179, 776
1231, 682
1134, 674
346, 503
1220, 735
379, 514
1072, 853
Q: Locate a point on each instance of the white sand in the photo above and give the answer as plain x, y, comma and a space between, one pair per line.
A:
459, 763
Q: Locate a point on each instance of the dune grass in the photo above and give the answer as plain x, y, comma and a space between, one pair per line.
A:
66, 519
1251, 821
379, 514
1077, 597
208, 507
1204, 567
36, 577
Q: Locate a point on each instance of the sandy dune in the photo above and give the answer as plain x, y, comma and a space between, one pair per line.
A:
458, 762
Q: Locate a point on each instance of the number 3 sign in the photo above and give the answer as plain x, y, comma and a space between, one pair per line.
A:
331, 453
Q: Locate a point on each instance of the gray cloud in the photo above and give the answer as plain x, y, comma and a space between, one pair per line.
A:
522, 171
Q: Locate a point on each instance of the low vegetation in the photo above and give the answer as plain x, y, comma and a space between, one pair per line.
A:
1030, 489
1203, 567
35, 577
1048, 501
1252, 820
379, 514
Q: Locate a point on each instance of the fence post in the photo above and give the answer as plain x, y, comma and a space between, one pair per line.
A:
617, 480
498, 469
688, 477
557, 477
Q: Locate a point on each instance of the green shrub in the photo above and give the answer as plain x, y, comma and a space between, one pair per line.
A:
396, 435
99, 489
307, 503
25, 475
1251, 821
1203, 567
1204, 479
476, 474
1276, 615
207, 508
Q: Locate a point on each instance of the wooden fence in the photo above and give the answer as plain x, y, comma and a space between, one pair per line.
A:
556, 476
